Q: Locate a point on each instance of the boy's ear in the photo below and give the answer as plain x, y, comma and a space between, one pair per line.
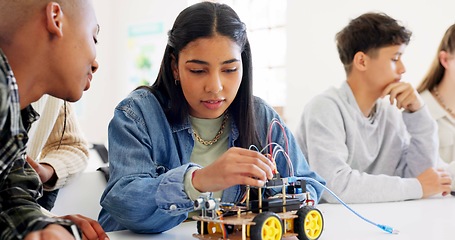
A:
174, 66
360, 61
54, 19
443, 55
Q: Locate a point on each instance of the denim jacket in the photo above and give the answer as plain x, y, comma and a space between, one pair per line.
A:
148, 160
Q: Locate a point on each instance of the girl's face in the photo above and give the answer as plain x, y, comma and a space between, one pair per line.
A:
210, 72
449, 65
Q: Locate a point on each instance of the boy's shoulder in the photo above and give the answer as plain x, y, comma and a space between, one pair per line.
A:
330, 97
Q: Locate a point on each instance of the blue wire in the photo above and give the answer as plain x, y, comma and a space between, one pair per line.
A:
381, 226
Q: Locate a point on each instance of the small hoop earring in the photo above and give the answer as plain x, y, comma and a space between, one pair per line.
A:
177, 82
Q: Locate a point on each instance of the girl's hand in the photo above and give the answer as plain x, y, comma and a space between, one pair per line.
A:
236, 166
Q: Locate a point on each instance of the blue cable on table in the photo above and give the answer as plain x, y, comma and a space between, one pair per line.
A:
381, 226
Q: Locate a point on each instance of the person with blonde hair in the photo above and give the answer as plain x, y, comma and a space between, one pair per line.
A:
437, 89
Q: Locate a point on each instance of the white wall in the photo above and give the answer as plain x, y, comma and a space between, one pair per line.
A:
110, 82
312, 59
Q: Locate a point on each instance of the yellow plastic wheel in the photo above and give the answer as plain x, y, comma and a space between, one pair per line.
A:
268, 227
309, 223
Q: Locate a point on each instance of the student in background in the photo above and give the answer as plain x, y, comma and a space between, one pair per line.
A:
56, 149
437, 89
367, 148
46, 47
190, 132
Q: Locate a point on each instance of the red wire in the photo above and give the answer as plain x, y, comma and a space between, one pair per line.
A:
270, 136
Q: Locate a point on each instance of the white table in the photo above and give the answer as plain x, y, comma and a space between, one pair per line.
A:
419, 219
82, 195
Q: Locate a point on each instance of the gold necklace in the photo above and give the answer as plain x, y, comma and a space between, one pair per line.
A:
439, 98
217, 136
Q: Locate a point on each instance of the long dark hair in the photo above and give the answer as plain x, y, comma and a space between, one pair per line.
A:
204, 20
437, 71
